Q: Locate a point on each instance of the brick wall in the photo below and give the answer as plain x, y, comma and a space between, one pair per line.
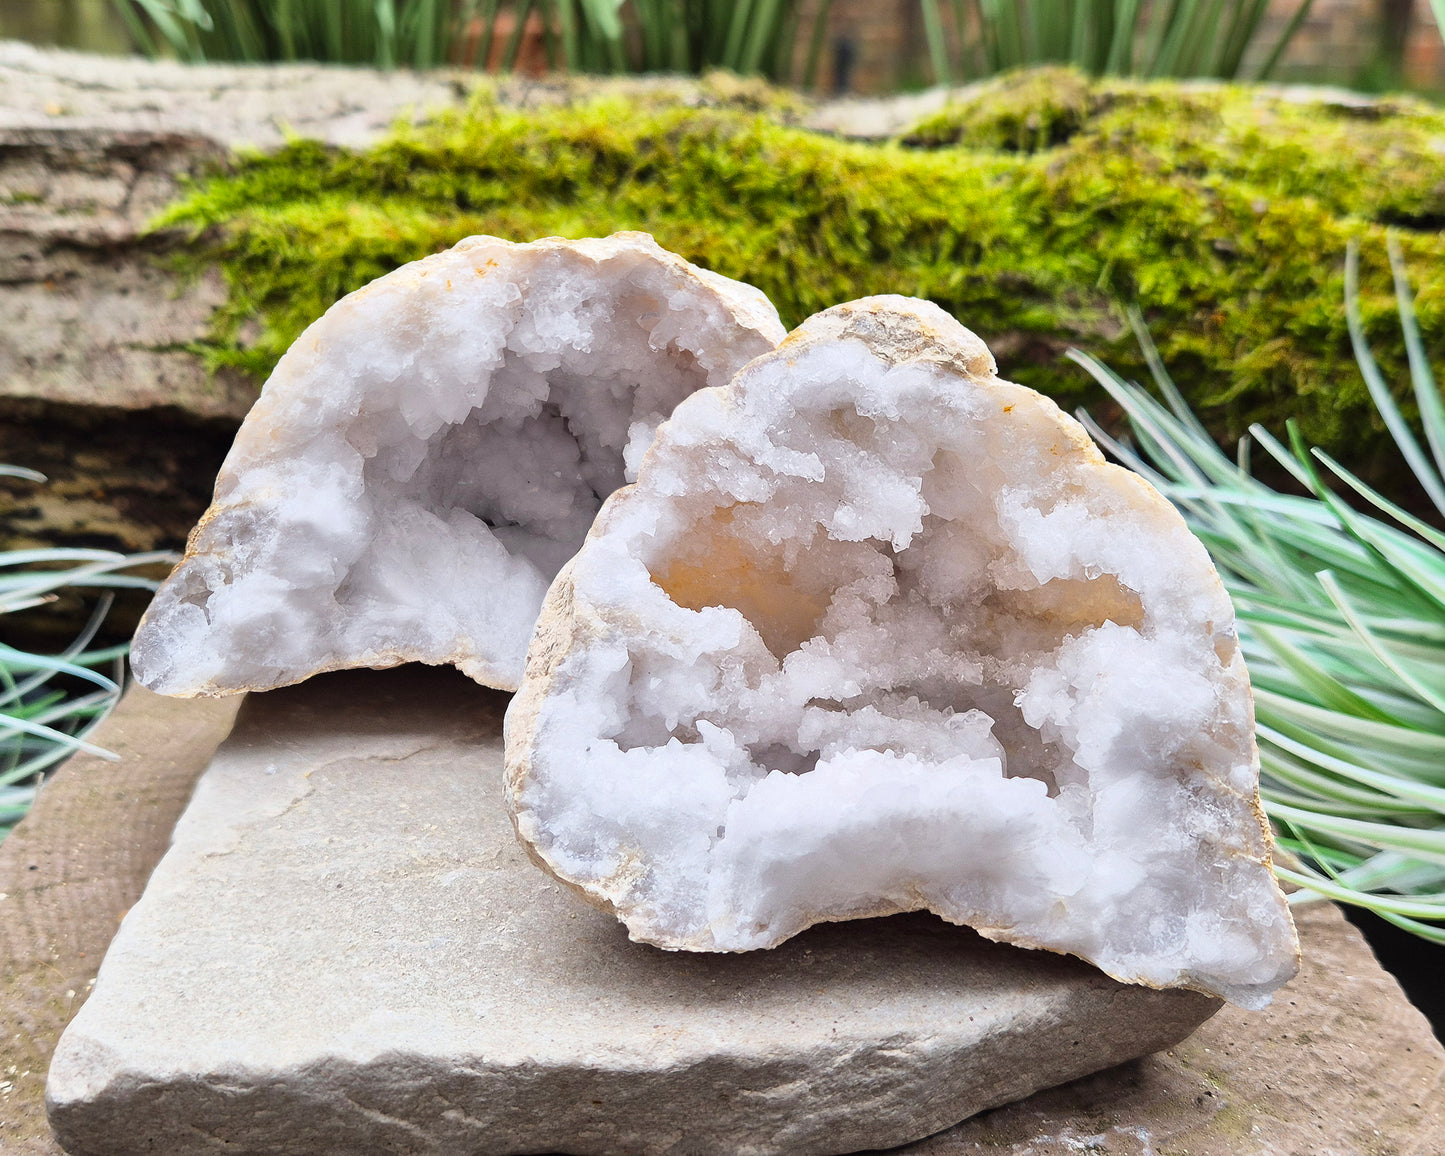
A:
869, 46
1425, 52
1341, 42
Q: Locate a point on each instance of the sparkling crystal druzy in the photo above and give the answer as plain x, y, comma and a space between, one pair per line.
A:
875, 631
429, 453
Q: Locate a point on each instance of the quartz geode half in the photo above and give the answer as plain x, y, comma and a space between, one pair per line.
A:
428, 454
875, 631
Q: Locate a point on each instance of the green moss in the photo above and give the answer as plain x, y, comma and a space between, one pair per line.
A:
1034, 232
1384, 160
1019, 112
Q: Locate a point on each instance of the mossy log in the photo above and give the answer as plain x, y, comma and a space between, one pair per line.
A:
1036, 208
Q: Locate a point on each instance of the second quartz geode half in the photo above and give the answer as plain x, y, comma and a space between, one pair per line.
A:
428, 454
875, 631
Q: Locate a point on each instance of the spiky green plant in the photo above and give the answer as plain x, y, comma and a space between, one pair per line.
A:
754, 37
688, 36
1117, 37
1342, 624
382, 33
41, 721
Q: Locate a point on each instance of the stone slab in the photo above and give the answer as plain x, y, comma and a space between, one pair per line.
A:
1340, 1064
346, 951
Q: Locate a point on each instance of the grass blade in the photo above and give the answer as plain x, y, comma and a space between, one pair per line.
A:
1380, 392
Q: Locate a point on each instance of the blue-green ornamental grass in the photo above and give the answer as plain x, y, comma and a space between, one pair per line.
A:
41, 722
1342, 623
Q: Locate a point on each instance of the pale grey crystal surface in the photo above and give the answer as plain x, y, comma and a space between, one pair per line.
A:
428, 454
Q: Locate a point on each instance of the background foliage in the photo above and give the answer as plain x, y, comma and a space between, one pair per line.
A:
1113, 37
746, 36
981, 37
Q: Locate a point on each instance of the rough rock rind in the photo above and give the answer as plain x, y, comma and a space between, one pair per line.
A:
668, 588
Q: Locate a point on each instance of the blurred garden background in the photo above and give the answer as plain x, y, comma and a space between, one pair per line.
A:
1140, 181
826, 46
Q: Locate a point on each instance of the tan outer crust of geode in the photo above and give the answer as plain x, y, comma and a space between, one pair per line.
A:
898, 332
733, 322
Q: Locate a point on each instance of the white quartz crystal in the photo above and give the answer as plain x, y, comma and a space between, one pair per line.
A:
428, 454
875, 631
